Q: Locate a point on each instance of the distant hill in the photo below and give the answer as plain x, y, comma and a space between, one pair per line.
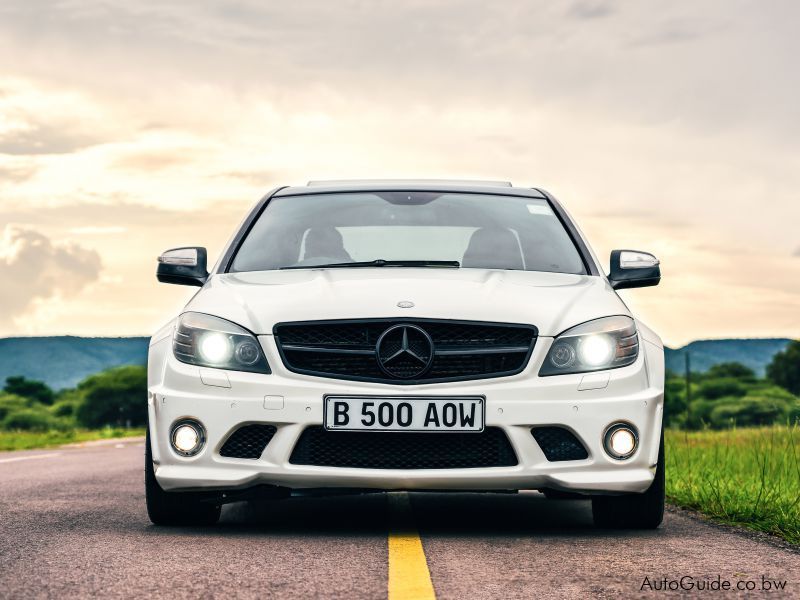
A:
704, 354
63, 361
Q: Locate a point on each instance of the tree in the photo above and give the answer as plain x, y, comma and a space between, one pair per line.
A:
784, 369
31, 419
712, 389
733, 370
752, 411
700, 412
28, 388
10, 403
674, 400
114, 397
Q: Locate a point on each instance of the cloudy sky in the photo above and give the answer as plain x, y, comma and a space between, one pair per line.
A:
128, 128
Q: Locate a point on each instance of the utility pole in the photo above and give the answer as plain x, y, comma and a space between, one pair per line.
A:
688, 363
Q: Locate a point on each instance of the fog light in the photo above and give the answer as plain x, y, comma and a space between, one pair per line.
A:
188, 437
620, 441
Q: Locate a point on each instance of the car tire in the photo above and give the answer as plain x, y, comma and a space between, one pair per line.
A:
174, 508
633, 511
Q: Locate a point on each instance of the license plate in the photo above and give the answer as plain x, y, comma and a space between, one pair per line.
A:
448, 413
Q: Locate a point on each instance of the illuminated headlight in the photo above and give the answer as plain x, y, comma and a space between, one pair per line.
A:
208, 341
620, 441
606, 343
215, 347
596, 350
187, 437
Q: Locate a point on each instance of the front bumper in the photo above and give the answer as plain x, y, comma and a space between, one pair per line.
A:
514, 404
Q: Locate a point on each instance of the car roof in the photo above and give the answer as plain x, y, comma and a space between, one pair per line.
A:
410, 185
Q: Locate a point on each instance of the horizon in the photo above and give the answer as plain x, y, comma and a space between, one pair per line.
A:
144, 336
71, 359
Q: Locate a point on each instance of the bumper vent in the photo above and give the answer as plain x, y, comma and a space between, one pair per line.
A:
248, 441
559, 444
398, 450
460, 350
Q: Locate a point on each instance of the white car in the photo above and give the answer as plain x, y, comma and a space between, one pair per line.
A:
406, 335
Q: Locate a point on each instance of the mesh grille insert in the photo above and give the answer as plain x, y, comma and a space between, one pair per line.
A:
248, 441
403, 450
462, 350
559, 444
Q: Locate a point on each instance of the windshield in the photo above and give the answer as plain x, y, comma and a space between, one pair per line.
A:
408, 229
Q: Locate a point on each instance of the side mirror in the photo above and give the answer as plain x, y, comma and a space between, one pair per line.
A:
183, 266
632, 269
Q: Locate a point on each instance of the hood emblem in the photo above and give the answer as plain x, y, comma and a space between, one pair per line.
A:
405, 304
404, 351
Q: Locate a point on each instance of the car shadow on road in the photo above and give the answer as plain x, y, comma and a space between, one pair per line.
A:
441, 514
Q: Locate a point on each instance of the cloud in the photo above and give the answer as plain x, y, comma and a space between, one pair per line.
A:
736, 73
156, 161
33, 268
81, 218
656, 128
676, 32
16, 173
261, 178
90, 230
43, 138
584, 10
45, 120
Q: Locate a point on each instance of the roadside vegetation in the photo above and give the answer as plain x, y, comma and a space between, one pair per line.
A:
733, 444
731, 395
748, 477
29, 440
105, 405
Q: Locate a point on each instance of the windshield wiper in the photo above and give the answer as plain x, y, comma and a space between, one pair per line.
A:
380, 262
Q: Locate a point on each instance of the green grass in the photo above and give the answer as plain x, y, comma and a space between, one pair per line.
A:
747, 477
27, 440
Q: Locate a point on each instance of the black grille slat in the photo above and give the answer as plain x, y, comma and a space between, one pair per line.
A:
467, 365
403, 450
248, 441
559, 444
329, 364
463, 350
332, 335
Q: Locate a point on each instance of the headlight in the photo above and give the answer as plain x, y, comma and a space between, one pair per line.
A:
209, 341
606, 343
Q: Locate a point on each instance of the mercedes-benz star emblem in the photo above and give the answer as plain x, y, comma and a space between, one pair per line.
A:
404, 351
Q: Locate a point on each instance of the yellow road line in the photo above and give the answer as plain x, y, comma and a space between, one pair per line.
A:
408, 570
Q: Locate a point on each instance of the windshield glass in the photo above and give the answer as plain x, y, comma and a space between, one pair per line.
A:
480, 231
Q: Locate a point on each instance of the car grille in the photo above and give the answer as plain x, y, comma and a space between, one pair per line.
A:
248, 441
559, 444
462, 350
403, 450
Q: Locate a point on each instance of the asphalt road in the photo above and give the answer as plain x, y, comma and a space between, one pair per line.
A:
73, 525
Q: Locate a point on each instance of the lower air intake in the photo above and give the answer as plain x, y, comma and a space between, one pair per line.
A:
559, 444
403, 450
248, 441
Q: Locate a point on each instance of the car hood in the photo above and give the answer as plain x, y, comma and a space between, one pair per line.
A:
552, 302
